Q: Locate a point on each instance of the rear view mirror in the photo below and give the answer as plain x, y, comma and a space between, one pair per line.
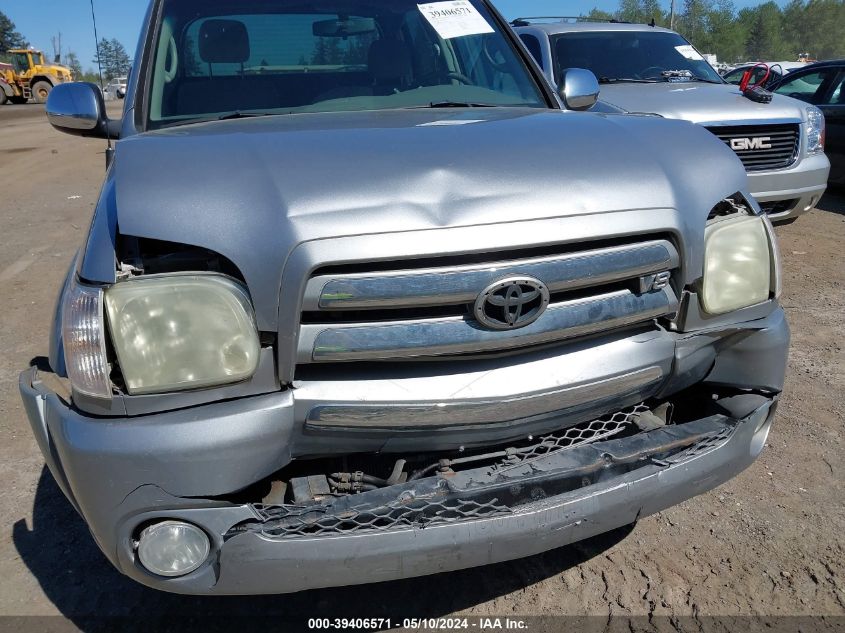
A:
344, 27
579, 89
79, 109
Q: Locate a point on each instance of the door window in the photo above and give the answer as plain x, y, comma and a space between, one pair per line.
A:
533, 46
837, 95
804, 87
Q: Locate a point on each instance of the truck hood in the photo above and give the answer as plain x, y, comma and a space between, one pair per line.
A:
254, 190
701, 103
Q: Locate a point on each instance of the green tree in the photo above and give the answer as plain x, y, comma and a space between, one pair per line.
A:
727, 37
599, 15
824, 33
694, 25
629, 11
113, 58
765, 33
72, 62
652, 10
9, 36
640, 11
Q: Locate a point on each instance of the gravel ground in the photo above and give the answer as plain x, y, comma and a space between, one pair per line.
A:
767, 543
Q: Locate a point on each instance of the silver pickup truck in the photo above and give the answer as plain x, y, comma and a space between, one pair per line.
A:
648, 69
346, 312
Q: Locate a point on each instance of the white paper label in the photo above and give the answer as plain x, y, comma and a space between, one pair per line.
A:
455, 18
689, 52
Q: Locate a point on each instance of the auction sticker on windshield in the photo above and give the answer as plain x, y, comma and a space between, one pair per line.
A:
689, 52
457, 18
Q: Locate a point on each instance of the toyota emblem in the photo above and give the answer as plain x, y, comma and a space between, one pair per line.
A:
511, 303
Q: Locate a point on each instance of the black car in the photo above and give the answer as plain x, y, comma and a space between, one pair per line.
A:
823, 85
759, 72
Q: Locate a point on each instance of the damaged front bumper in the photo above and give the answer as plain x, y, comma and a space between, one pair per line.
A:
486, 515
199, 464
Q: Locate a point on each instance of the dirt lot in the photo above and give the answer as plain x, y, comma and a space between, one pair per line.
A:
769, 542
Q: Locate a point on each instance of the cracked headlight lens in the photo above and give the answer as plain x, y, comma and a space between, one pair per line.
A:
178, 332
738, 266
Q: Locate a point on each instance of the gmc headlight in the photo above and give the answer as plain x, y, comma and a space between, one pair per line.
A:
815, 130
176, 332
741, 265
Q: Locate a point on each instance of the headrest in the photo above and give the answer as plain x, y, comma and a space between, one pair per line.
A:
224, 42
390, 60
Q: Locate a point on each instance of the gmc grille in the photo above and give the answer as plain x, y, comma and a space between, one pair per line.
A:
762, 147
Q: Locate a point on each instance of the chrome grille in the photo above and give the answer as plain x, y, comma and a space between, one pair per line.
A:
779, 144
427, 312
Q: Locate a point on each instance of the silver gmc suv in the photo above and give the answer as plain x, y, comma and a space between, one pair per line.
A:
347, 313
647, 69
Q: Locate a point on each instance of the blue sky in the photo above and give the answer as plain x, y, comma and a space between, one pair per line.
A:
39, 20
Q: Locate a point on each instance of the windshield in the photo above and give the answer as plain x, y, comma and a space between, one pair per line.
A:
219, 58
646, 56
21, 62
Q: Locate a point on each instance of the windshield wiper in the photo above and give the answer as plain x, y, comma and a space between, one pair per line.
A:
456, 104
244, 115
623, 80
705, 80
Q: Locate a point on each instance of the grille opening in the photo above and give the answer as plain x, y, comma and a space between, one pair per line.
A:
778, 206
487, 257
610, 424
420, 366
455, 310
365, 492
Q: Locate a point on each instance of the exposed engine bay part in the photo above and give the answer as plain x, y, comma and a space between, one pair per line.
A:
491, 490
318, 482
307, 488
729, 207
315, 488
143, 256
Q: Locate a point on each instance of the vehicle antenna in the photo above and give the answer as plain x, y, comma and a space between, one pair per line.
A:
109, 147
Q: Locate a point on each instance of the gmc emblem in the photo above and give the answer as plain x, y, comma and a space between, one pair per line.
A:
759, 142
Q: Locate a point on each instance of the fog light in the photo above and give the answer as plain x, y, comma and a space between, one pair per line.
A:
173, 548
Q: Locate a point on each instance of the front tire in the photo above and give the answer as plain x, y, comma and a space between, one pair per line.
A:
40, 91
3, 98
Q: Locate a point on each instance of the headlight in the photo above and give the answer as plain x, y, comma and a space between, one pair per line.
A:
177, 332
740, 264
815, 130
83, 337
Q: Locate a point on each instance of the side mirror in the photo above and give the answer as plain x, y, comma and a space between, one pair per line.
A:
579, 89
78, 109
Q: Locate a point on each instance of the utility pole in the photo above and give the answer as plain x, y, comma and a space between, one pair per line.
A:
672, 16
57, 48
